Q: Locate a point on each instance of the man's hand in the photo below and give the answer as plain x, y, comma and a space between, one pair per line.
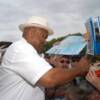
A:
83, 64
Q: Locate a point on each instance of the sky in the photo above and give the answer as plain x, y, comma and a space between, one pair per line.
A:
64, 16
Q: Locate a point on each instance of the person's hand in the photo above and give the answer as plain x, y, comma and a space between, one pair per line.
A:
83, 64
93, 79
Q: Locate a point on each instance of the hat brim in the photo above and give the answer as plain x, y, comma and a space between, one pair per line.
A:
22, 26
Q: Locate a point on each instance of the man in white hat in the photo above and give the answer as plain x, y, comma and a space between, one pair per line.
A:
24, 74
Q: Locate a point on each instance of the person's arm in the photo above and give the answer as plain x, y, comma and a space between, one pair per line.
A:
60, 76
93, 79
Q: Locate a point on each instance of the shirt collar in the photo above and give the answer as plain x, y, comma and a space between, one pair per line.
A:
24, 40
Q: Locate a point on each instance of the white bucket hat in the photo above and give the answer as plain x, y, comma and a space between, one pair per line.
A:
37, 22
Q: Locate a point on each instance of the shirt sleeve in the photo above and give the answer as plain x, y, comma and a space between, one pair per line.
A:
29, 66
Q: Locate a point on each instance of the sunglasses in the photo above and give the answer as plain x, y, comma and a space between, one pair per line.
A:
64, 61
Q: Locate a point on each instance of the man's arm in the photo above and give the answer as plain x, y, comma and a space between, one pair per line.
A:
60, 76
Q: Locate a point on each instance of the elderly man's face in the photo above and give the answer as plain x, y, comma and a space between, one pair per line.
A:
39, 37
